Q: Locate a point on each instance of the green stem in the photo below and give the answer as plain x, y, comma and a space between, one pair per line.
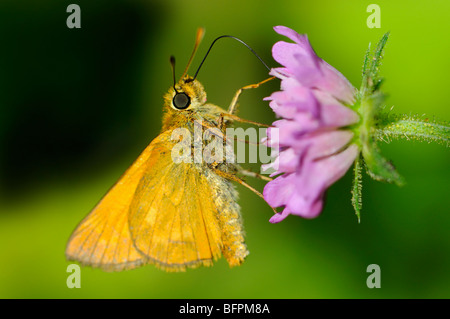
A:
417, 128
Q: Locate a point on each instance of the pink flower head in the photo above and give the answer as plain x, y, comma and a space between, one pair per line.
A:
314, 148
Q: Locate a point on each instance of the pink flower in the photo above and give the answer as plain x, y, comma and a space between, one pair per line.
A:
314, 147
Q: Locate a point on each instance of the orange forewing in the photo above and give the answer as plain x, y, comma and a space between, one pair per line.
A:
155, 214
103, 239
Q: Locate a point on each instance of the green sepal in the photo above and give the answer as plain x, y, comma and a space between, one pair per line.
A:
357, 187
371, 104
371, 81
380, 168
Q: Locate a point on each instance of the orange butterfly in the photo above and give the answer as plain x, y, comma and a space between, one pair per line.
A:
173, 215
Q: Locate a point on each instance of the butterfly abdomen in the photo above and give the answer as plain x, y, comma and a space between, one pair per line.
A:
228, 213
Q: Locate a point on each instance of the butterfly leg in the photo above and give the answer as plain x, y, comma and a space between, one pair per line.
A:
238, 119
249, 173
233, 106
242, 182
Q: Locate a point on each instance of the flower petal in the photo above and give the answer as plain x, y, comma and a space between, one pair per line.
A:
335, 84
333, 113
323, 144
300, 60
280, 216
302, 193
316, 177
289, 33
278, 191
294, 99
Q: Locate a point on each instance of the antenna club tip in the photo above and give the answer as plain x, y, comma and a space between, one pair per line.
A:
200, 33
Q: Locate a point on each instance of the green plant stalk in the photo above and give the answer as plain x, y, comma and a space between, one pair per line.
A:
418, 128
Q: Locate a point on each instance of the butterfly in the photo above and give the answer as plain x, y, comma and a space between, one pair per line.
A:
173, 214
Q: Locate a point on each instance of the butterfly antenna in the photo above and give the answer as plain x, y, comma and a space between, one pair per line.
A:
198, 39
237, 39
172, 64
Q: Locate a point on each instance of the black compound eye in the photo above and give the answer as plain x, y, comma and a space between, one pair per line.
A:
181, 101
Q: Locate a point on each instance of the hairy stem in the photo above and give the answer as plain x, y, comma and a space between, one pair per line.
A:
418, 128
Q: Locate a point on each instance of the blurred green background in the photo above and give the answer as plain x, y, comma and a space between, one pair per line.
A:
78, 105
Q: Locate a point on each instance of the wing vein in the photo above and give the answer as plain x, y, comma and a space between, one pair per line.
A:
117, 243
87, 237
96, 243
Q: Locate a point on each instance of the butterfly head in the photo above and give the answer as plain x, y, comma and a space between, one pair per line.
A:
187, 94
